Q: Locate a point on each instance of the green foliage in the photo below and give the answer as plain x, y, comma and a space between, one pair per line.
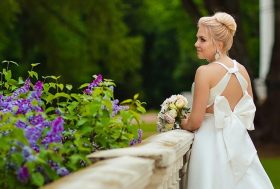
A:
169, 59
147, 46
76, 39
92, 120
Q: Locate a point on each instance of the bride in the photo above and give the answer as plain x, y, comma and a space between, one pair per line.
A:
223, 155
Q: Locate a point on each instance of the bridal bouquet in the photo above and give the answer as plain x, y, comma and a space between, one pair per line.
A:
173, 109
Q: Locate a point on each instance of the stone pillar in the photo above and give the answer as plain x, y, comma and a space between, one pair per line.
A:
266, 44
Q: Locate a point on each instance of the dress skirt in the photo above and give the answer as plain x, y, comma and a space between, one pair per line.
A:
210, 167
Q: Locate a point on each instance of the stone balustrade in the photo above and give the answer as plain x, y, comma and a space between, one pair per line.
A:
159, 162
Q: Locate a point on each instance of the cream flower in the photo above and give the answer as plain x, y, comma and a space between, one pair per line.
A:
180, 103
169, 117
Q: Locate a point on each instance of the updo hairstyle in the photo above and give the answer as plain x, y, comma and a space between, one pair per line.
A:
221, 27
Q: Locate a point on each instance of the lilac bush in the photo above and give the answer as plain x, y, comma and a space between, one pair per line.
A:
46, 133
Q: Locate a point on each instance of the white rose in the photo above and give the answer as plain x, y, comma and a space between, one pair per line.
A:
180, 103
172, 113
183, 98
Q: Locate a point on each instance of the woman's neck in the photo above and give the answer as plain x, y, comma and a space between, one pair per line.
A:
222, 58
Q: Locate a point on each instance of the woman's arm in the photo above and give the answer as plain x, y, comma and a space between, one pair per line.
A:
200, 100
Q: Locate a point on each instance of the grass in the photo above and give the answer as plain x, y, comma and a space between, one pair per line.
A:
271, 165
148, 129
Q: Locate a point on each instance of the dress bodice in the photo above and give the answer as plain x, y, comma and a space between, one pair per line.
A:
221, 85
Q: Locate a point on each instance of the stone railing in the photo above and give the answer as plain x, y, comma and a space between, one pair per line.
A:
159, 162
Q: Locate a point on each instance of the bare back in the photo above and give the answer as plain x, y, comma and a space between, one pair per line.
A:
233, 90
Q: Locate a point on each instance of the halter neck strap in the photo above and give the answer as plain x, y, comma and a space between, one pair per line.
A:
234, 69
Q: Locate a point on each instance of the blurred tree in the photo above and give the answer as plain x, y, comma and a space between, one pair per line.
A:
75, 39
140, 44
8, 39
169, 59
269, 111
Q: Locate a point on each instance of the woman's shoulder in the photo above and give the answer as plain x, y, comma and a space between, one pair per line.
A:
202, 70
203, 73
206, 70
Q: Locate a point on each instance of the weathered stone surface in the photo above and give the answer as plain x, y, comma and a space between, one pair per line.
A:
164, 148
159, 162
118, 173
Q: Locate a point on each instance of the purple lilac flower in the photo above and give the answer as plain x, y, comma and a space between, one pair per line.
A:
24, 106
139, 138
27, 154
33, 133
93, 84
140, 134
23, 174
38, 87
1, 100
5, 103
117, 108
55, 134
53, 164
133, 142
57, 111
22, 90
35, 120
62, 171
21, 124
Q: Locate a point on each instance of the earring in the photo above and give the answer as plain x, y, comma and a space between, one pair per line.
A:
217, 55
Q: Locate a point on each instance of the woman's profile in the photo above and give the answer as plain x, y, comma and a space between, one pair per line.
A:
223, 155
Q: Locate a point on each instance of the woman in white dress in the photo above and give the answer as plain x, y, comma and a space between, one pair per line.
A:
223, 155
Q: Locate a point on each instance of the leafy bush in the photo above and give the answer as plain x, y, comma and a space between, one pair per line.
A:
46, 131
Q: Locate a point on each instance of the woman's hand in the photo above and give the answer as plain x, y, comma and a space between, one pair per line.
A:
184, 123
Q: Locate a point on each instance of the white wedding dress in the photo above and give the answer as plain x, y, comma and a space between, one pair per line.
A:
223, 155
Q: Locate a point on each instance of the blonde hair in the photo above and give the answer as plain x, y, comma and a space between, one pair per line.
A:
221, 27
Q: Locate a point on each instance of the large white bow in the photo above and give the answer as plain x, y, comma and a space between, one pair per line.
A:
239, 146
